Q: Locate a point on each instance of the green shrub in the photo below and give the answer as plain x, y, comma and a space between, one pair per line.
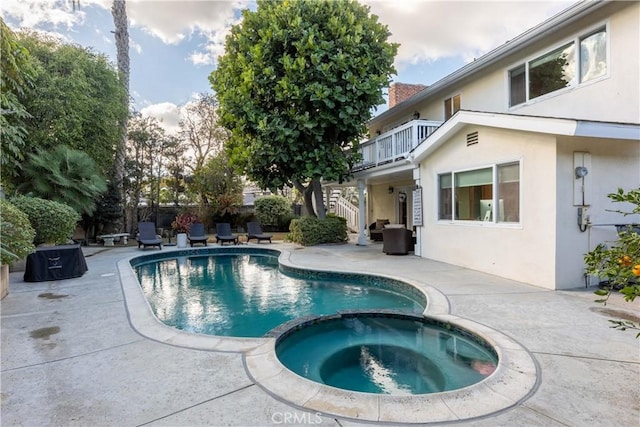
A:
271, 209
53, 222
309, 231
16, 233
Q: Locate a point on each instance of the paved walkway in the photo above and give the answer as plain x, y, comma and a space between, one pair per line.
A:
71, 357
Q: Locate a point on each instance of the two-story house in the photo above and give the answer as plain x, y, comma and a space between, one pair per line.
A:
504, 166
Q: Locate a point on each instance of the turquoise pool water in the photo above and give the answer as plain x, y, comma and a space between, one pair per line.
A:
380, 354
247, 294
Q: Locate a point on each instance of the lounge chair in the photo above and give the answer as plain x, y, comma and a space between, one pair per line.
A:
197, 234
147, 235
254, 231
223, 234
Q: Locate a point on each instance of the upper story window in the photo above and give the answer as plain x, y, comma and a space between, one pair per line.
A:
558, 68
451, 106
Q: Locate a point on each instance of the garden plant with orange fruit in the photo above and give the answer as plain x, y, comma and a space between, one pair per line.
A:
618, 263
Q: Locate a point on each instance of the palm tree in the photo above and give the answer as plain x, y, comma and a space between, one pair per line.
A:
63, 175
119, 12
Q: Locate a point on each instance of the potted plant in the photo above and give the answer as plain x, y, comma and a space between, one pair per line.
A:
16, 240
181, 226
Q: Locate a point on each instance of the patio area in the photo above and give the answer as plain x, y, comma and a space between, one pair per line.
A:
70, 355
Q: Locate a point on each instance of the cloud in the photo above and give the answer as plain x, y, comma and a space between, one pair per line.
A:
167, 113
432, 30
174, 21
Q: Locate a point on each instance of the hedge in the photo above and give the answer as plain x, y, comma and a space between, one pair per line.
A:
310, 231
16, 233
53, 222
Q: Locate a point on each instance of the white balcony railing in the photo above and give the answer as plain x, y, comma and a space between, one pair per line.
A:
394, 144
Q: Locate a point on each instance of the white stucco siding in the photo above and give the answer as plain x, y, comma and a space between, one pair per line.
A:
614, 97
524, 251
614, 164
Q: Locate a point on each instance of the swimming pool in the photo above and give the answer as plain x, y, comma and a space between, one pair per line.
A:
246, 293
514, 380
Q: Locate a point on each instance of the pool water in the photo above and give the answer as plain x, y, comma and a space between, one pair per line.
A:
244, 295
386, 355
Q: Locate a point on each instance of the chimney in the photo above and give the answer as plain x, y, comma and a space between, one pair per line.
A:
398, 92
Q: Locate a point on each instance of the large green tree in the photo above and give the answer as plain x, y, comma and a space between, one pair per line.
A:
296, 85
16, 75
76, 100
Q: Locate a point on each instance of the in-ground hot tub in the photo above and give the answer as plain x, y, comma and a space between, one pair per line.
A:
386, 353
394, 367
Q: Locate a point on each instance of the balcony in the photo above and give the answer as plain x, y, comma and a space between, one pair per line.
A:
395, 144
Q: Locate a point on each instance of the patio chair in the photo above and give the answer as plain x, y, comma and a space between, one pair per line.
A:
147, 235
223, 234
375, 229
397, 241
254, 231
197, 234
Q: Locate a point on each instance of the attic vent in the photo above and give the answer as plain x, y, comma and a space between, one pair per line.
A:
472, 138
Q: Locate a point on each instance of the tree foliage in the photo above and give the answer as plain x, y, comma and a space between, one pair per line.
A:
52, 221
65, 175
16, 233
296, 85
220, 185
16, 74
271, 209
619, 263
76, 100
201, 133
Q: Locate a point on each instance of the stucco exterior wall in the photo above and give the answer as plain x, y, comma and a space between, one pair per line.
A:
524, 251
614, 164
381, 203
612, 98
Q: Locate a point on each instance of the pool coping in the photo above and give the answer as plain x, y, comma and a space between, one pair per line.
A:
514, 380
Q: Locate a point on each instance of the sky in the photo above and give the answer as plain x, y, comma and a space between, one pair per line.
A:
174, 44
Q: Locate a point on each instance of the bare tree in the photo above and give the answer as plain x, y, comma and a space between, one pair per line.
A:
201, 132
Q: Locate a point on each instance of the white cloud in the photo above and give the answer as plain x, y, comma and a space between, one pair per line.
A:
167, 113
173, 21
431, 30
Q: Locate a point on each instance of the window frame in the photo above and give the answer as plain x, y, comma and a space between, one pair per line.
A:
443, 218
575, 40
454, 102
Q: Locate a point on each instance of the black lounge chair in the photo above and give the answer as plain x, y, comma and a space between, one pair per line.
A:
254, 231
197, 234
223, 234
147, 235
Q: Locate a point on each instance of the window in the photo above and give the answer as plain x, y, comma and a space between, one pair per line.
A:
558, 69
490, 194
593, 56
445, 196
517, 86
509, 193
552, 71
471, 187
451, 106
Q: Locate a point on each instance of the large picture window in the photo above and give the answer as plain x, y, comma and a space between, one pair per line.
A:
490, 194
559, 68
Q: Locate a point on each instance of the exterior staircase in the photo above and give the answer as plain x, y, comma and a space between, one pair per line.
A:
342, 207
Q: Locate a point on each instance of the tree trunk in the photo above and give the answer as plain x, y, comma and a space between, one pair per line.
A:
316, 187
119, 12
307, 197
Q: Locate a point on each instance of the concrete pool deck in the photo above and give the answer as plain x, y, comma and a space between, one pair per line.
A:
70, 355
